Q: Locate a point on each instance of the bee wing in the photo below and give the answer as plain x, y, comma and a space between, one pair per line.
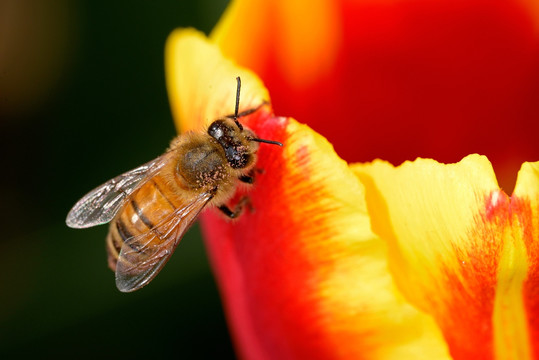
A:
142, 257
101, 204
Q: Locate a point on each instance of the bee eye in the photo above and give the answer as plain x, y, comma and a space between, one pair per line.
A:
218, 133
215, 131
218, 129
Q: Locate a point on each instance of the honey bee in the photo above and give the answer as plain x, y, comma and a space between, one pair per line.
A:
151, 207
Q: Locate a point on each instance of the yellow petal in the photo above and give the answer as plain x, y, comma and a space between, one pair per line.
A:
202, 84
525, 220
456, 249
528, 182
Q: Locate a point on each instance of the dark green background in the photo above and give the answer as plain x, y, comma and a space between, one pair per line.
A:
106, 112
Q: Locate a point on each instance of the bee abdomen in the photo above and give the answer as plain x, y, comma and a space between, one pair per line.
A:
147, 207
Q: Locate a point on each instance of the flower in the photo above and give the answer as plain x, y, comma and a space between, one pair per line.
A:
331, 260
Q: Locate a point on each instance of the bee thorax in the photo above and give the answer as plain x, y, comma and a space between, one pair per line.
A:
203, 167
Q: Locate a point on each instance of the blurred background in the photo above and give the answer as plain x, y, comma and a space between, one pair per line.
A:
83, 99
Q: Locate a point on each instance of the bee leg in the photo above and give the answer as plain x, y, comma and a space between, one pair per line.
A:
229, 213
247, 179
250, 177
233, 214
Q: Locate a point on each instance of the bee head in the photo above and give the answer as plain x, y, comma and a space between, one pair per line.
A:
239, 150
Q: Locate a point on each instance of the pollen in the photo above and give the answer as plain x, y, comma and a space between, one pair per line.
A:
212, 178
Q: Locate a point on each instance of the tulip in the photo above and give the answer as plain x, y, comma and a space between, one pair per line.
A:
333, 260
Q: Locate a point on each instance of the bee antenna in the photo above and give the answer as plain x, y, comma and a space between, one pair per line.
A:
266, 141
236, 109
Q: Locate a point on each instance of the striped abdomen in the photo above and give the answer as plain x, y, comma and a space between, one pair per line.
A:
147, 207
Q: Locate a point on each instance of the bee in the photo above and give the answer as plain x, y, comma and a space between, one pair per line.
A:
151, 207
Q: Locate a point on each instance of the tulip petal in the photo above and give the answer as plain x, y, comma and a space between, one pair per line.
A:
300, 272
525, 201
459, 249
200, 97
303, 276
